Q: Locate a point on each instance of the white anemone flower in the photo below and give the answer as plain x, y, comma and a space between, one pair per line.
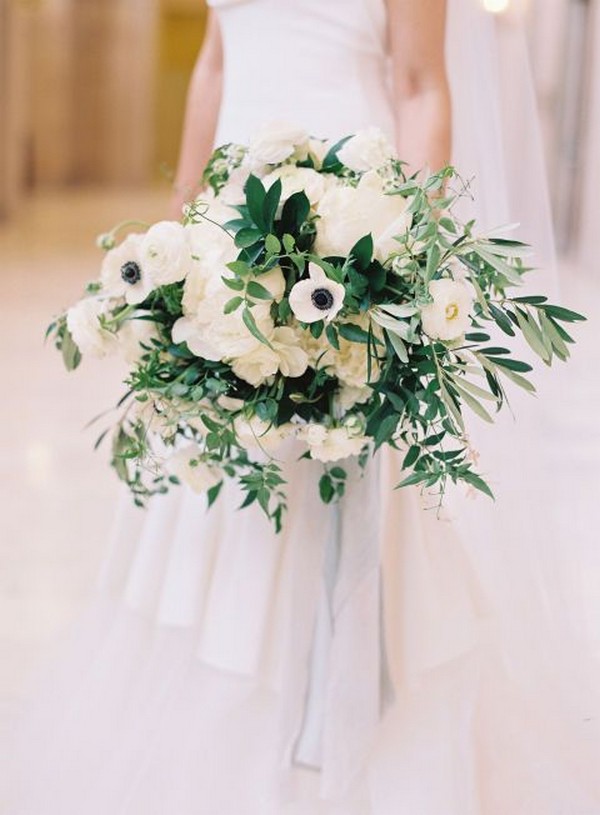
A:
317, 297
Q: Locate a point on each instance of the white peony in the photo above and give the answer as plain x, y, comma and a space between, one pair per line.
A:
262, 362
331, 444
123, 274
449, 315
347, 214
165, 252
297, 179
277, 142
187, 465
83, 322
317, 297
368, 150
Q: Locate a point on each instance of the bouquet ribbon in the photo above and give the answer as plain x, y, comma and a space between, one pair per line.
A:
347, 682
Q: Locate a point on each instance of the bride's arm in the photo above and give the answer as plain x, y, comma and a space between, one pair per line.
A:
420, 89
202, 112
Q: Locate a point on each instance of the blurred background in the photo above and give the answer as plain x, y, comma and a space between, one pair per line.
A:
92, 96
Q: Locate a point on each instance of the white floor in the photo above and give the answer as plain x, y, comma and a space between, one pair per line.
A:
55, 504
56, 497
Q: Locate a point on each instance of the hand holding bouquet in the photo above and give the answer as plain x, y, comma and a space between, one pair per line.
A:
316, 293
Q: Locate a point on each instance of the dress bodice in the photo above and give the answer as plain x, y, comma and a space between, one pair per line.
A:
322, 65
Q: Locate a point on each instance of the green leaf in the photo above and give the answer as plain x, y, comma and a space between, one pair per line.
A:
514, 365
362, 253
295, 212
563, 314
255, 199
232, 305
332, 336
272, 244
398, 345
338, 472
270, 205
288, 242
412, 480
476, 481
240, 268
353, 332
473, 389
326, 489
331, 162
475, 406
258, 291
411, 457
70, 352
247, 237
533, 335
233, 283
250, 324
213, 493
501, 320
517, 379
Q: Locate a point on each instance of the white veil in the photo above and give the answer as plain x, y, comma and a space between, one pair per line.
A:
533, 548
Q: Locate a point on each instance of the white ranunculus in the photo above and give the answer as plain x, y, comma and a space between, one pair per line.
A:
232, 193
186, 464
317, 297
256, 434
132, 333
165, 252
331, 444
297, 179
123, 274
347, 214
277, 142
83, 322
368, 149
449, 315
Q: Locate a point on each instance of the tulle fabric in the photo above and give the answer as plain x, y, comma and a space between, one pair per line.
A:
460, 677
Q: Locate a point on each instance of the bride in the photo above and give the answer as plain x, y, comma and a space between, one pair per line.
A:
371, 660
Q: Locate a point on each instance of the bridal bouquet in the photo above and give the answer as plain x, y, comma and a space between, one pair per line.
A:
314, 292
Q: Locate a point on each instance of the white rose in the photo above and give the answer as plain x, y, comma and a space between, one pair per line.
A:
276, 142
332, 444
347, 214
297, 179
368, 150
186, 464
316, 297
83, 322
165, 252
449, 315
123, 274
132, 333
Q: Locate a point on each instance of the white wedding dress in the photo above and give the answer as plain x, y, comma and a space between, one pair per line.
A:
364, 662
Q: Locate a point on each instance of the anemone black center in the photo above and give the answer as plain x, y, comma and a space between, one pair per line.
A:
131, 272
322, 299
